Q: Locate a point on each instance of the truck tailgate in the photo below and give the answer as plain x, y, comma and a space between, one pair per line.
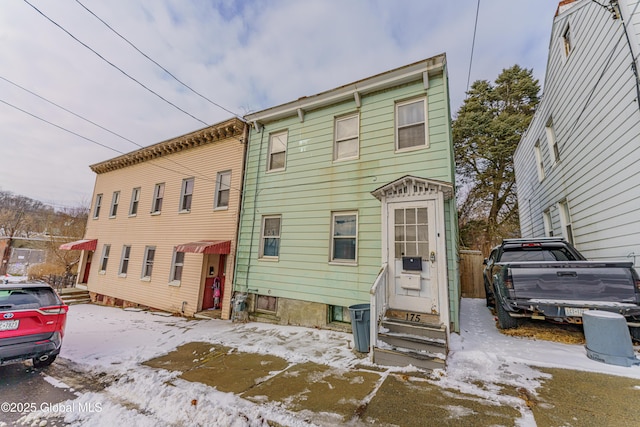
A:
579, 281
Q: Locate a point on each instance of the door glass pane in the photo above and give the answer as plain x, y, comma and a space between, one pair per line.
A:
423, 233
399, 216
411, 249
399, 250
399, 233
411, 216
423, 250
411, 233
422, 216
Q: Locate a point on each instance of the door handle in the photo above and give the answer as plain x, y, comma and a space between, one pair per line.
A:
432, 257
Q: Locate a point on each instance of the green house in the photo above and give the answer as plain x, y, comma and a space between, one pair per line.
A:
349, 199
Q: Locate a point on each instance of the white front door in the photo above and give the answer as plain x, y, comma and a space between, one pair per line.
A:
413, 257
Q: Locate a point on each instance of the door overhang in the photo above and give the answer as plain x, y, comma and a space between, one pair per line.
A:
413, 188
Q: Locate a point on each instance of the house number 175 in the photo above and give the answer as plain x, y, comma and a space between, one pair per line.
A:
412, 317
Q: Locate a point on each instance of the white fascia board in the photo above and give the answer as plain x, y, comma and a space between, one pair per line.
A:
408, 73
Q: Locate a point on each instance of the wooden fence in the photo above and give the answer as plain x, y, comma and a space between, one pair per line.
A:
471, 274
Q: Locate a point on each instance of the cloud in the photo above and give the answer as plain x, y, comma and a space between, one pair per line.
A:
244, 55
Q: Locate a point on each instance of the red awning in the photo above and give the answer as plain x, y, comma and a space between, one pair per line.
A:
206, 247
81, 245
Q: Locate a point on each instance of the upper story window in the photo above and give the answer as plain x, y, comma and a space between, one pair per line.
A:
411, 124
552, 141
158, 195
114, 204
566, 41
344, 232
124, 261
270, 237
135, 200
223, 188
105, 257
147, 266
186, 194
277, 151
96, 208
347, 130
539, 163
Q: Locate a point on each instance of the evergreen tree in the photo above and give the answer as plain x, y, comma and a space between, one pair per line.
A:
486, 132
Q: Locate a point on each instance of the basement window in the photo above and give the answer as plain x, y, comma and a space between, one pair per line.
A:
339, 314
266, 304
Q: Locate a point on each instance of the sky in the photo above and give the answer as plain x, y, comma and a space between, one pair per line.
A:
101, 341
234, 57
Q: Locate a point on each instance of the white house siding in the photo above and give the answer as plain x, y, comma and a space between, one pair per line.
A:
168, 229
591, 96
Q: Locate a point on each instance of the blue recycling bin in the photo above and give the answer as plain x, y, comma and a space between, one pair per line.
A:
360, 323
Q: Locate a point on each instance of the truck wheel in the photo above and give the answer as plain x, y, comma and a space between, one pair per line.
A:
635, 334
491, 300
504, 320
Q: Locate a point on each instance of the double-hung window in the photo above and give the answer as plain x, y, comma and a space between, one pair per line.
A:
147, 266
566, 41
158, 195
223, 188
105, 257
565, 221
187, 194
347, 130
115, 200
177, 266
539, 164
270, 237
344, 237
96, 208
546, 221
411, 124
124, 261
277, 151
552, 141
135, 200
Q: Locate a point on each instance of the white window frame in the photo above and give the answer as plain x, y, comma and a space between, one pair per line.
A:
98, 205
124, 260
186, 194
567, 45
539, 164
177, 264
565, 221
547, 223
158, 197
147, 264
346, 139
263, 237
115, 200
104, 259
424, 123
135, 201
270, 152
222, 187
334, 238
552, 141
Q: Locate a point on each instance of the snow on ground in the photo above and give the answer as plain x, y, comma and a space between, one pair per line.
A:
114, 342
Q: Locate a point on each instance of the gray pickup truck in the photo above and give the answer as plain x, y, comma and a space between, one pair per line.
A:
548, 279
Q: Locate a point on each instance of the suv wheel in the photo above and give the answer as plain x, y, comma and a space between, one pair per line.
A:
37, 363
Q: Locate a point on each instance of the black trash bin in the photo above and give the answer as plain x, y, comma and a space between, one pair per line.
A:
360, 322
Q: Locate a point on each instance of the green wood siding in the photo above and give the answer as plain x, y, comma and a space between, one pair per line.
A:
313, 186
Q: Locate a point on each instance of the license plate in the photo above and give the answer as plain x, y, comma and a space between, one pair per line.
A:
9, 325
571, 311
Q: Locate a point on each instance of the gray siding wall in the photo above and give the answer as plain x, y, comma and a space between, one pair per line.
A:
590, 95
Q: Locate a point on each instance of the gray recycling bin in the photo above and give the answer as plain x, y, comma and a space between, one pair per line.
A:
360, 315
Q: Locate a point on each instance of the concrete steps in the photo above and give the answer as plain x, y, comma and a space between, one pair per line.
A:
403, 343
72, 296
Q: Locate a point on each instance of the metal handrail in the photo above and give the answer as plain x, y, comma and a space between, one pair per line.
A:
378, 296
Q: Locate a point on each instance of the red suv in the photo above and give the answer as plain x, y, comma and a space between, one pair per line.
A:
32, 321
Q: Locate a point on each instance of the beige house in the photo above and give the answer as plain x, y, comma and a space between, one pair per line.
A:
163, 223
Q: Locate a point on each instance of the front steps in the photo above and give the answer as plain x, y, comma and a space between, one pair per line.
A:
403, 343
72, 296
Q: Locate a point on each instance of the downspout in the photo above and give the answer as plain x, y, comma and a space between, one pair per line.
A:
615, 9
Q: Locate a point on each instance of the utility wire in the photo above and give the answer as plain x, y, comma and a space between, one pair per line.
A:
113, 65
156, 63
473, 44
93, 123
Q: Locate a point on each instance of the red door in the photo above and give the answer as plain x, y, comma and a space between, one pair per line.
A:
87, 268
207, 298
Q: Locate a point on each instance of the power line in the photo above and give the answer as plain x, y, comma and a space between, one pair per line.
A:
113, 65
473, 44
156, 63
